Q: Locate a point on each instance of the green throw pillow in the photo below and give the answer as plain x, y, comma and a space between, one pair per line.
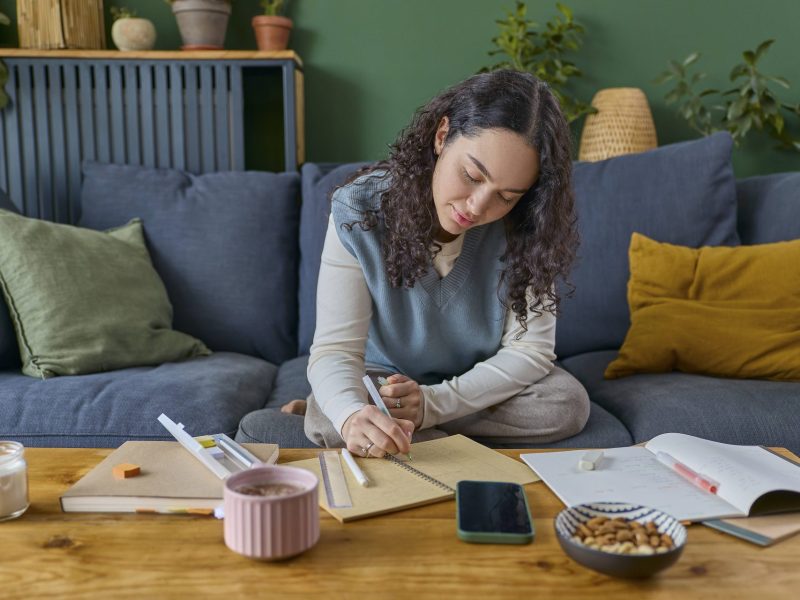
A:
84, 301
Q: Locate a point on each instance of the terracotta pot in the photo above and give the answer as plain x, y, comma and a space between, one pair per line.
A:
133, 34
202, 23
272, 32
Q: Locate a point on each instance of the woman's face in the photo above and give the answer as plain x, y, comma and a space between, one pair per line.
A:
478, 180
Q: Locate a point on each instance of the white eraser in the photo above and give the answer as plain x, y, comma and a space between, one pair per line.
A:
589, 461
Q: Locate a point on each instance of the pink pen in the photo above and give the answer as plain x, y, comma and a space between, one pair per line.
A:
681, 469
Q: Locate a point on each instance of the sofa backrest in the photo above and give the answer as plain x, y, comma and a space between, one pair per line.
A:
682, 193
318, 180
769, 208
9, 350
225, 245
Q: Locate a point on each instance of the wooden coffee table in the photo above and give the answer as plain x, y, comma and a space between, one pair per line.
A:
414, 553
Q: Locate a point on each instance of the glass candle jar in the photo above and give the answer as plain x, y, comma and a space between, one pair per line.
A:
13, 480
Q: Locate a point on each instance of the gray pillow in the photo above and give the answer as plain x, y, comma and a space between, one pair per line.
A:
769, 208
319, 180
681, 193
9, 349
225, 245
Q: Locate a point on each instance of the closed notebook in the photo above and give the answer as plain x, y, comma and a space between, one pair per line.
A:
763, 531
432, 475
171, 480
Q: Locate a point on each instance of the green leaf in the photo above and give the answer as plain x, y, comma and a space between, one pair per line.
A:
676, 68
749, 57
4, 20
780, 81
672, 96
663, 78
692, 58
778, 123
763, 47
736, 108
738, 71
565, 10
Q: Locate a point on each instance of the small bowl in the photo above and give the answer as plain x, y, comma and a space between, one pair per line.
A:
632, 566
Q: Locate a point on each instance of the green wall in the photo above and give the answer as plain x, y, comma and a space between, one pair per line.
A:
370, 63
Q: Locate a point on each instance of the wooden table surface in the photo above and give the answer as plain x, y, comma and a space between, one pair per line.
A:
414, 553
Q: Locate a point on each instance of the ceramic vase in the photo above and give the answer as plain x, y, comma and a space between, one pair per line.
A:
133, 34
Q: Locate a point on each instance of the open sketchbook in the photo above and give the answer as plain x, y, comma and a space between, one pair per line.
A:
432, 476
171, 480
752, 480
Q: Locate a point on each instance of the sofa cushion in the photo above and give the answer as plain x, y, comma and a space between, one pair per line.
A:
208, 395
681, 193
318, 181
84, 301
733, 411
291, 382
684, 300
9, 350
225, 245
769, 206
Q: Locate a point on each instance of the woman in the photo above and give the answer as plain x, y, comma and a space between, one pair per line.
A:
438, 273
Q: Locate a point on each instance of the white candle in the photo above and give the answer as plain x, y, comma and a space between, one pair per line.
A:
13, 480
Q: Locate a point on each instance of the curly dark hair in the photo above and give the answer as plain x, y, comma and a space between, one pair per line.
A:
541, 234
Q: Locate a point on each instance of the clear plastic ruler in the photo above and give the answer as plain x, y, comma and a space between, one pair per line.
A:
333, 480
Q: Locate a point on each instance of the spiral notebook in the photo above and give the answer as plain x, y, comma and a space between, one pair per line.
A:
437, 466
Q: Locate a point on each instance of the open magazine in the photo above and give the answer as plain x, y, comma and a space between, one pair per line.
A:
750, 479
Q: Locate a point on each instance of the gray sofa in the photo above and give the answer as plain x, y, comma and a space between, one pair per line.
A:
239, 255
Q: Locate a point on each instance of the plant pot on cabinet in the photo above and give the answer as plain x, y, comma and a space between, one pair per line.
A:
202, 23
272, 32
133, 34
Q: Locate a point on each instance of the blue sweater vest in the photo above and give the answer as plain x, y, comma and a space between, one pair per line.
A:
441, 327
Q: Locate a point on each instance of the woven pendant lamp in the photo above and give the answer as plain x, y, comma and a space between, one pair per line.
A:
623, 124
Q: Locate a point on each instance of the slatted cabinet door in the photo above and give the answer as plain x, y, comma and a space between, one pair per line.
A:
170, 112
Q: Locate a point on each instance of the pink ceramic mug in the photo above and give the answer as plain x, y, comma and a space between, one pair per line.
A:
271, 527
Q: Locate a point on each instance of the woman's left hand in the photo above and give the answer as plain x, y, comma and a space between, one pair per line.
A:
403, 398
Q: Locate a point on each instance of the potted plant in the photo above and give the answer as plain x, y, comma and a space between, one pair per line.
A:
202, 23
130, 32
272, 29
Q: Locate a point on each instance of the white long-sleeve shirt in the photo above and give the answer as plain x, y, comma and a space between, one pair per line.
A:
344, 311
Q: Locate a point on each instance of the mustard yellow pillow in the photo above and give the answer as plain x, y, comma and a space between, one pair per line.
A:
721, 311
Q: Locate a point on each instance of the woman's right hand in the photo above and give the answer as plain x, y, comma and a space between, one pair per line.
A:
370, 429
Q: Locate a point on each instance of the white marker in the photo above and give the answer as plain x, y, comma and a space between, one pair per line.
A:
590, 460
376, 398
354, 468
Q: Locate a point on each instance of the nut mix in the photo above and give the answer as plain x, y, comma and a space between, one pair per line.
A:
621, 536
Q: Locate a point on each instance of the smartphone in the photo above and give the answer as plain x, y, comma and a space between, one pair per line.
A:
493, 512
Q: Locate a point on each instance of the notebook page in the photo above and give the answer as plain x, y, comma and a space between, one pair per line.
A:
631, 475
390, 488
457, 457
744, 473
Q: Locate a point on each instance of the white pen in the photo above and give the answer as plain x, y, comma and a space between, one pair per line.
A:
376, 398
356, 470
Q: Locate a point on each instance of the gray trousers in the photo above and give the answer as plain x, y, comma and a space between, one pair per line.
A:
554, 408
